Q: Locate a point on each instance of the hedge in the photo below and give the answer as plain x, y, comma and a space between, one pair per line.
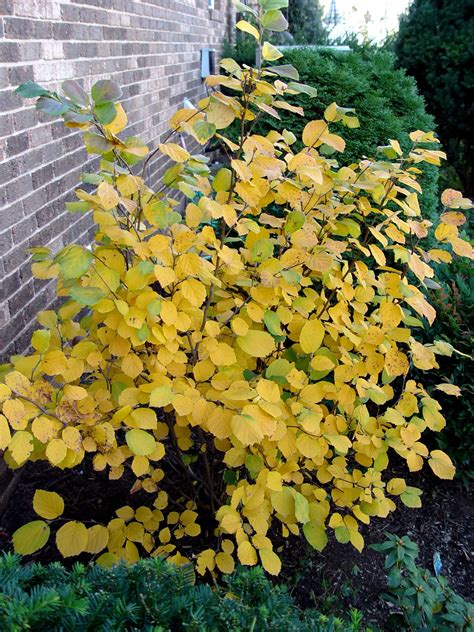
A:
386, 101
149, 595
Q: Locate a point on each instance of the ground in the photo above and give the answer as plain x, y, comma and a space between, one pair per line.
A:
334, 580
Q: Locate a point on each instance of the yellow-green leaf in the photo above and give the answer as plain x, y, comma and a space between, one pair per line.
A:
316, 535
48, 505
270, 52
441, 465
270, 561
140, 442
312, 335
245, 26
258, 344
72, 539
31, 537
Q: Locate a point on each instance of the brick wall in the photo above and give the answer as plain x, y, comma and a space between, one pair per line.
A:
150, 47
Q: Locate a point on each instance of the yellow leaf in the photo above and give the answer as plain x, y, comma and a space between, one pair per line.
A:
313, 132
132, 365
72, 438
140, 465
246, 553
223, 355
194, 291
390, 315
396, 486
143, 418
17, 382
449, 389
377, 254
174, 151
108, 196
225, 563
56, 451
334, 141
48, 505
270, 52
257, 344
14, 410
161, 396
75, 393
396, 362
274, 481
5, 434
97, 539
245, 26
340, 442
72, 539
423, 358
21, 446
30, 537
120, 121
312, 335
269, 391
246, 429
441, 464
270, 561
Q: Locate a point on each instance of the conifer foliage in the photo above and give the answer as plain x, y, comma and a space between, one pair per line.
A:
258, 347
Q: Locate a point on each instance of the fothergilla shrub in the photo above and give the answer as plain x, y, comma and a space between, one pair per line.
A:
258, 347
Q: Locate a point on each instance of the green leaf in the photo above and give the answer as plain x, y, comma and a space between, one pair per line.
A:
74, 261
243, 8
274, 21
143, 333
74, 91
52, 107
78, 207
411, 497
86, 295
96, 144
285, 70
154, 307
136, 150
294, 221
302, 88
301, 507
39, 253
91, 178
272, 323
316, 535
31, 537
204, 130
342, 534
31, 90
40, 340
105, 90
273, 5
105, 112
76, 117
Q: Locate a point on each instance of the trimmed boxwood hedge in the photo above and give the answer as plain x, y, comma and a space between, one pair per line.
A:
150, 595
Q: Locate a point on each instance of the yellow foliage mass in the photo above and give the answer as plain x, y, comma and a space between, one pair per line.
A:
259, 344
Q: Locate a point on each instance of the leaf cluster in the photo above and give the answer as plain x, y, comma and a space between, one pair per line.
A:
426, 602
386, 101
